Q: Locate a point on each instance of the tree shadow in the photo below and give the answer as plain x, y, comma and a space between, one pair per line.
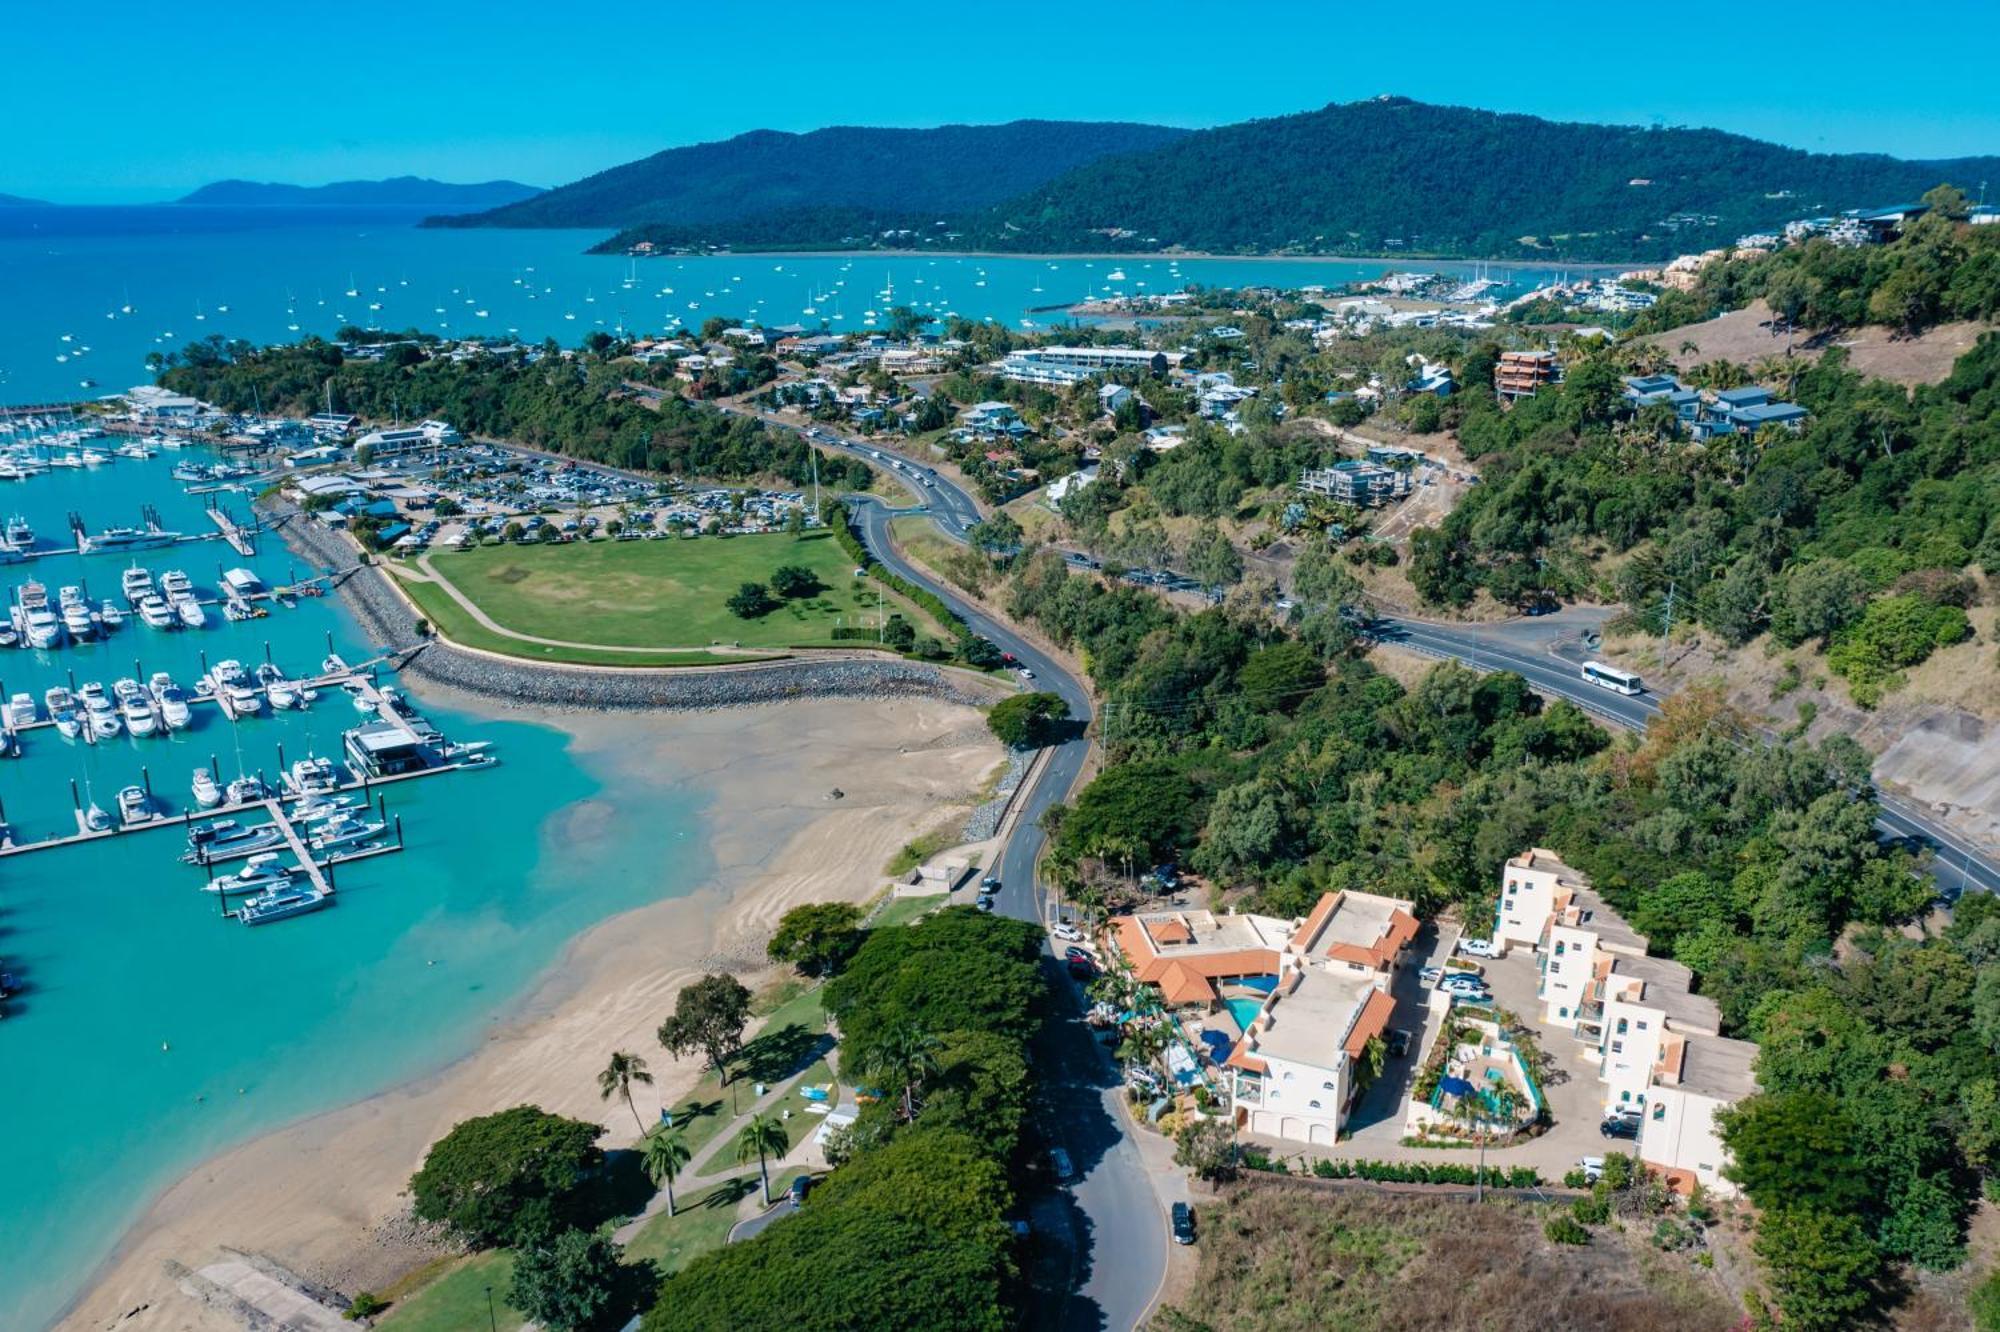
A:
693, 1109
779, 1054
730, 1192
620, 1188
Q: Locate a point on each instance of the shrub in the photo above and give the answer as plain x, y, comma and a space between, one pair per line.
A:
1564, 1230
1591, 1211
750, 601
364, 1304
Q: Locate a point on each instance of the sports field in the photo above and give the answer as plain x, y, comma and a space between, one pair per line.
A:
655, 595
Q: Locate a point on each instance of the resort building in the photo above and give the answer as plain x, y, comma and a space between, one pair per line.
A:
1294, 1073
1062, 366
1704, 416
1185, 955
1529, 886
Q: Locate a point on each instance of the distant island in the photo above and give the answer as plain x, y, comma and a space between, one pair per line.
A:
414, 193
16, 201
1387, 176
931, 171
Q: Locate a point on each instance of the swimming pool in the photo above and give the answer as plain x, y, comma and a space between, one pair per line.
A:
1243, 1010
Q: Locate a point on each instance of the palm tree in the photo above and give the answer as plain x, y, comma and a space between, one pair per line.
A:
762, 1137
662, 1153
618, 1077
907, 1055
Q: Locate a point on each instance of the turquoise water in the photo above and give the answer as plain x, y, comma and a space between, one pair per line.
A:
69, 275
153, 1033
1245, 1011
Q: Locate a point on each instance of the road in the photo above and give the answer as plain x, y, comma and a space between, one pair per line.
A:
1955, 864
1118, 1215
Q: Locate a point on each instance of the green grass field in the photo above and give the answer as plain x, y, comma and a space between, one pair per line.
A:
454, 1299
657, 595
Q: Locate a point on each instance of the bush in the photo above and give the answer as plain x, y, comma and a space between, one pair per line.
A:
792, 581
364, 1304
1564, 1230
750, 601
1591, 1211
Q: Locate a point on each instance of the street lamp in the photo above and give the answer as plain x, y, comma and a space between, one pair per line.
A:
492, 1323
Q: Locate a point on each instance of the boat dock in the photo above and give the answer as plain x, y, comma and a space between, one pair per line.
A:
238, 536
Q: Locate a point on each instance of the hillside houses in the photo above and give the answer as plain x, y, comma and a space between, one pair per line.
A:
1704, 416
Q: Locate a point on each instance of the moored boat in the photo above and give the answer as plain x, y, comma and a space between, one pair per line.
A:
282, 904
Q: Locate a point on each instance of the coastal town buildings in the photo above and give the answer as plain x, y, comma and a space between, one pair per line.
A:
1521, 374
1707, 415
1063, 366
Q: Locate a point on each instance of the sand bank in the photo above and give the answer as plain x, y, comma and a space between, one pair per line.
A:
324, 1197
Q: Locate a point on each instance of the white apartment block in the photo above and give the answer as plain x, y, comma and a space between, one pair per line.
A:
1529, 885
1678, 1135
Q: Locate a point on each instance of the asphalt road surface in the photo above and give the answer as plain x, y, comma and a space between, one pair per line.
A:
1955, 865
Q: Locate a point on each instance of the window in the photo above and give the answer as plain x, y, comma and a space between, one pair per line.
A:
1621, 1026
1617, 1047
1659, 1111
1562, 1012
1328, 1086
1642, 1026
1556, 966
1560, 946
1624, 1096
1313, 1104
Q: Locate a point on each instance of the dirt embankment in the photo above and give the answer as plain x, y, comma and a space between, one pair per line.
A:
1750, 334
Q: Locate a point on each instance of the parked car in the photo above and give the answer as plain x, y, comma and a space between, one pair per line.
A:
1064, 930
984, 904
1479, 948
1592, 1167
1463, 985
801, 1186
1027, 674
989, 884
1399, 1042
1620, 1126
1431, 975
1080, 965
1183, 1223
1064, 1171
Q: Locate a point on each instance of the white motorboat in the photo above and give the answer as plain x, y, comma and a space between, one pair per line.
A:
136, 707
95, 819
34, 618
63, 711
135, 806
345, 830
20, 711
206, 793
136, 583
226, 839
173, 704
76, 614
190, 612
314, 776
317, 809
333, 664
261, 872
282, 692
176, 583
275, 904
156, 612
99, 712
109, 615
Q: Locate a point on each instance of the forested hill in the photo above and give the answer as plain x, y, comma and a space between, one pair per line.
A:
1451, 180
412, 192
1394, 176
951, 169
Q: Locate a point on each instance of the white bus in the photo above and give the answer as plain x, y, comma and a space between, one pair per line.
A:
1610, 677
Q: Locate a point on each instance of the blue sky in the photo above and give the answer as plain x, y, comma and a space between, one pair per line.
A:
121, 101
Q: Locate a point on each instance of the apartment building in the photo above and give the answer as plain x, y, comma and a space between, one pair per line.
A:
1521, 374
1062, 366
1658, 1046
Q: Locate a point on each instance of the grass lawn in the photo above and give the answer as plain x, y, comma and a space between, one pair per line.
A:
660, 594
905, 911
786, 1037
701, 1224
456, 1299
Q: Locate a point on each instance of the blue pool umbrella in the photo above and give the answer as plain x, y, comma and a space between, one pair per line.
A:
1451, 1086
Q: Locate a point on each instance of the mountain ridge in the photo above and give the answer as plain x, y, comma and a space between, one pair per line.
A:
1381, 176
945, 169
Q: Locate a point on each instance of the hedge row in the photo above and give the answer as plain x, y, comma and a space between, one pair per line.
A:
844, 533
1405, 1172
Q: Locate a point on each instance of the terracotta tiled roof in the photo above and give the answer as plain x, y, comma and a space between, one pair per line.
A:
1182, 984
1303, 936
1171, 932
1243, 1059
1374, 1020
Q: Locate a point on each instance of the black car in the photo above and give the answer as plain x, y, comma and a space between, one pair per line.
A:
801, 1185
1183, 1223
1620, 1126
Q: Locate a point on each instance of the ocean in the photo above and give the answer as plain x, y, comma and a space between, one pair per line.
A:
153, 1033
92, 291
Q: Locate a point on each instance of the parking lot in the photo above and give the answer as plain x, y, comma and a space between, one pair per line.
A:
1572, 1092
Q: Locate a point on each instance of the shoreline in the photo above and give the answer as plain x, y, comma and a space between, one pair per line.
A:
322, 1195
1551, 261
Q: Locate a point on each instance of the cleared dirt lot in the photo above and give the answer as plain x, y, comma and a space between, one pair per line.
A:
1748, 335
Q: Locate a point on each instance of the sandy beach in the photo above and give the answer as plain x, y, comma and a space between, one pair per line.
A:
323, 1196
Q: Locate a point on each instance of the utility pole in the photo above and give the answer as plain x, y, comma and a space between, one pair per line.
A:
1667, 626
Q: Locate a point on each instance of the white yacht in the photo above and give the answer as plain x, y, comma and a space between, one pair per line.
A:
282, 904
345, 830
63, 711
134, 805
314, 776
172, 701
76, 614
206, 793
33, 617
108, 614
262, 871
175, 583
20, 711
282, 692
245, 789
99, 712
136, 707
156, 612
136, 583
317, 809
190, 612
226, 839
